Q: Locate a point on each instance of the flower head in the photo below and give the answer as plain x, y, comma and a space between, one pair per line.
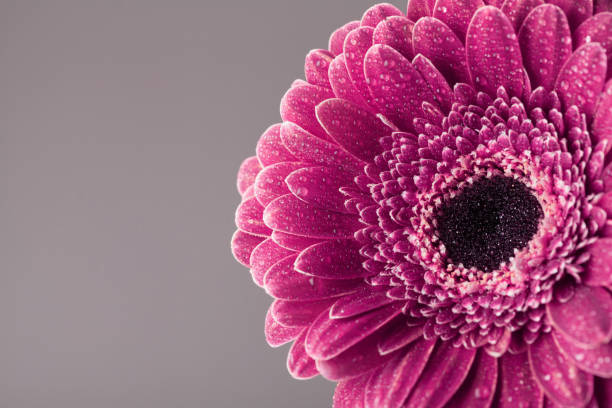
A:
434, 214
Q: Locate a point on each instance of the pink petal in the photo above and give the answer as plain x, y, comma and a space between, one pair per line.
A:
478, 389
558, 377
545, 32
456, 14
395, 85
270, 182
442, 47
576, 10
270, 148
602, 122
299, 314
263, 257
493, 53
599, 269
446, 369
517, 10
357, 360
597, 29
586, 318
517, 386
390, 385
359, 302
328, 337
378, 13
277, 335
356, 45
597, 361
395, 32
349, 393
435, 81
299, 363
399, 337
320, 186
293, 242
336, 41
298, 106
242, 246
355, 129
283, 282
247, 173
292, 215
332, 260
600, 6
420, 8
249, 218
311, 149
581, 79
316, 66
342, 84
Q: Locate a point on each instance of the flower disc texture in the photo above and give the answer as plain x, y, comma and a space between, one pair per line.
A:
433, 216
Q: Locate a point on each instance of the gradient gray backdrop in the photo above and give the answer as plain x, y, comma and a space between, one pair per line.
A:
122, 125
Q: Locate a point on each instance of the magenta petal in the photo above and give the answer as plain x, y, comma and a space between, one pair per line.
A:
247, 173
263, 257
442, 47
390, 385
456, 14
599, 269
293, 242
586, 319
359, 302
311, 149
249, 218
332, 260
517, 10
446, 369
283, 282
399, 337
597, 361
356, 45
563, 382
298, 106
420, 8
357, 360
336, 40
243, 245
320, 186
316, 66
478, 389
517, 386
493, 53
581, 79
597, 29
435, 81
299, 314
300, 365
270, 148
378, 13
341, 82
270, 182
545, 32
277, 335
603, 392
396, 32
328, 337
576, 10
350, 393
292, 215
355, 129
602, 122
395, 85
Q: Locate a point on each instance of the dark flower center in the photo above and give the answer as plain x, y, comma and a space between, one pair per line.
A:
483, 225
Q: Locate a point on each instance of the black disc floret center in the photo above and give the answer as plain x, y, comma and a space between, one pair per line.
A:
483, 225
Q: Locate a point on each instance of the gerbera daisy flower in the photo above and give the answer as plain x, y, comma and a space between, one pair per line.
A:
433, 216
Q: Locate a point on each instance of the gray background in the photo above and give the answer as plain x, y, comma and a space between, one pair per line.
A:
122, 125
